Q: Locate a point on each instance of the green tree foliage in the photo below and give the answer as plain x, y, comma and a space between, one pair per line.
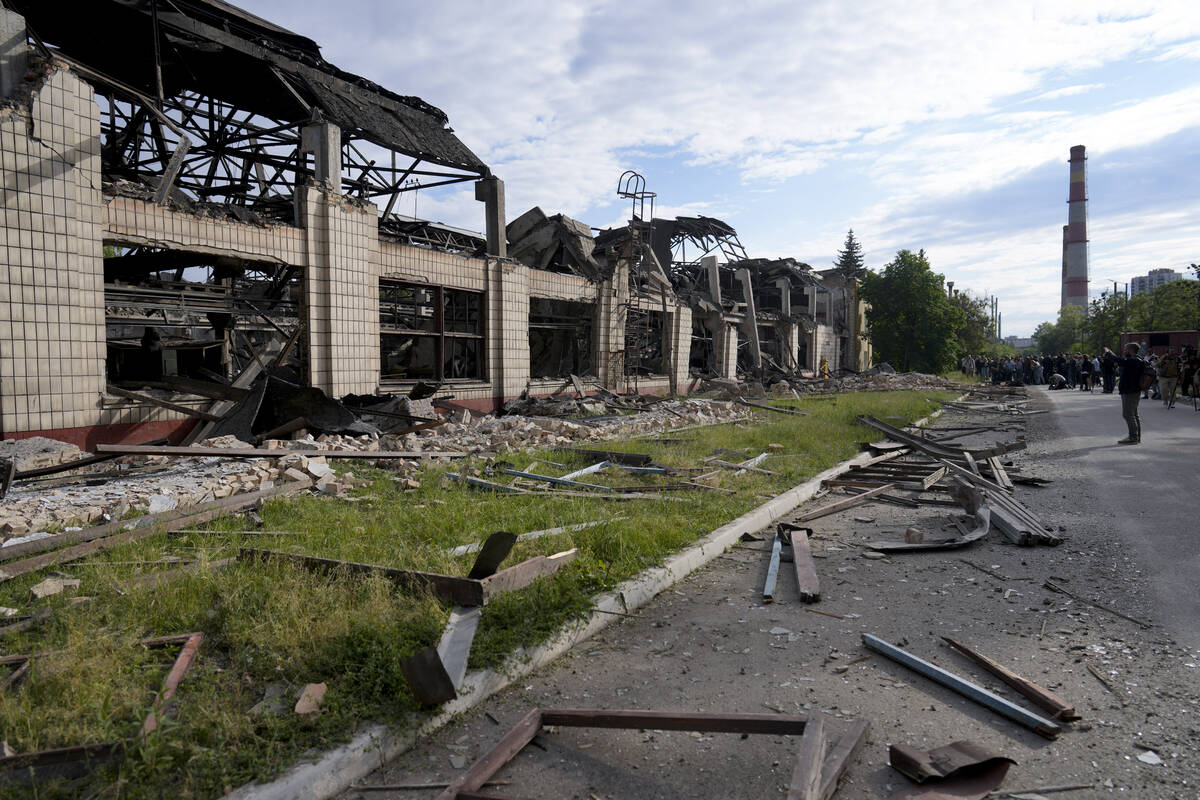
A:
975, 331
1062, 336
1104, 323
911, 322
1170, 307
850, 259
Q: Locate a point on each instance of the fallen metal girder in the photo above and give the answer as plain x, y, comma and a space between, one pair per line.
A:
557, 481
183, 662
936, 450
632, 459
1038, 694
833, 764
842, 505
62, 762
451, 588
255, 452
971, 691
768, 592
125, 531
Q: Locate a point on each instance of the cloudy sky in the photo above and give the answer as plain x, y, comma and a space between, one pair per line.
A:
943, 126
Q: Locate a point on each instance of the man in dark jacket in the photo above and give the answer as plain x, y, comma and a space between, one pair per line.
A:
1130, 388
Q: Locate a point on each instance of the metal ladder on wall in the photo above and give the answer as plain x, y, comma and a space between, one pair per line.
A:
632, 186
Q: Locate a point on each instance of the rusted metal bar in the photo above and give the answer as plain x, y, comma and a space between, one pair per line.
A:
1038, 694
183, 662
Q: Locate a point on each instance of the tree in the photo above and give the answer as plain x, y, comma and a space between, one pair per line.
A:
974, 332
1062, 336
850, 259
911, 322
1170, 307
1102, 326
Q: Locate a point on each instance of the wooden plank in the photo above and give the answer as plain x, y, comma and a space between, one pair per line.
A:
257, 452
459, 591
964, 687
971, 465
842, 505
806, 775
999, 474
768, 592
929, 480
1038, 694
578, 384
483, 769
480, 483
806, 571
764, 407
838, 758
520, 575
154, 401
770, 724
125, 531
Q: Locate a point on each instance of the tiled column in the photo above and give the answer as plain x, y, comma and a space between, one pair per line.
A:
611, 313
725, 344
341, 292
681, 343
508, 328
51, 270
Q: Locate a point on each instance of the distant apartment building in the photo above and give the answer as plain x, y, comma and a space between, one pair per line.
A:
1156, 278
1019, 342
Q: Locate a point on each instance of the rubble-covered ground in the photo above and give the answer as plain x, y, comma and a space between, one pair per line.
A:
159, 483
711, 644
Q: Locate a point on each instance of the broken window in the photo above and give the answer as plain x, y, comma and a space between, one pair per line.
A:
560, 338
645, 346
702, 358
429, 332
177, 314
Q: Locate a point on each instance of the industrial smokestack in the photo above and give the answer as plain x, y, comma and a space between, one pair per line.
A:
1075, 242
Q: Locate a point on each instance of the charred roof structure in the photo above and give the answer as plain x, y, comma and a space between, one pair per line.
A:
213, 101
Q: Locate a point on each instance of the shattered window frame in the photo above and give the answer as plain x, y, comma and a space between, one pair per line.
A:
444, 327
636, 346
545, 321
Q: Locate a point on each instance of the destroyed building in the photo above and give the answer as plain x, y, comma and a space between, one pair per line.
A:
194, 198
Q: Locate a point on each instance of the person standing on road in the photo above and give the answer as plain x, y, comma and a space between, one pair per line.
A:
1130, 389
1106, 371
1168, 370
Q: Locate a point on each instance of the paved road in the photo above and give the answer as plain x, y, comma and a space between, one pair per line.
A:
1160, 478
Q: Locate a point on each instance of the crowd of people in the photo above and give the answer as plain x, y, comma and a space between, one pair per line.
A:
1177, 373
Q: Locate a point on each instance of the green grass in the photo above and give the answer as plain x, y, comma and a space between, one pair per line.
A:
271, 622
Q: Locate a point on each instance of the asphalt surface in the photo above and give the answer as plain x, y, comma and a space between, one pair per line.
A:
1148, 493
712, 644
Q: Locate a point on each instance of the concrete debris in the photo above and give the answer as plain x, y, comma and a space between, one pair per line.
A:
30, 511
52, 586
311, 696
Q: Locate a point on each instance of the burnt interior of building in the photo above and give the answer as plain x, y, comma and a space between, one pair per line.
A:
173, 318
561, 341
430, 333
210, 110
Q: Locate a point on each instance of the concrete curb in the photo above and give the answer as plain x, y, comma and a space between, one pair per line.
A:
337, 770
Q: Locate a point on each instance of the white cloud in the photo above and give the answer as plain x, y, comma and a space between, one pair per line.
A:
1067, 91
919, 97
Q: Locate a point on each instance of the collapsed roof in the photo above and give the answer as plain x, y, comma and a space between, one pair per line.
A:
555, 244
219, 50
264, 80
